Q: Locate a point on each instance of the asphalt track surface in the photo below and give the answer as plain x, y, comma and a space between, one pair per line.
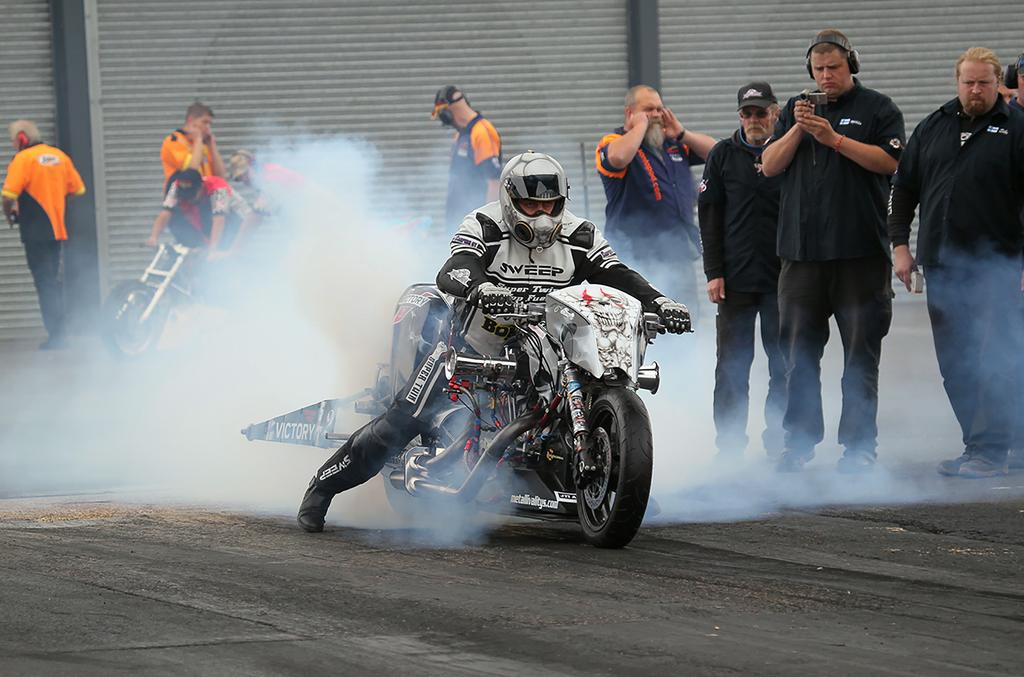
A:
101, 583
93, 587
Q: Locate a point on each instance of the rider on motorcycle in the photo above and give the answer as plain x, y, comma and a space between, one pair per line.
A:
515, 250
201, 212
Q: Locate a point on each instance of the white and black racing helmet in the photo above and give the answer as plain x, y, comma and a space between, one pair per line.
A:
533, 176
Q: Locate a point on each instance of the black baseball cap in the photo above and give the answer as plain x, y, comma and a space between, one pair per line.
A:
757, 94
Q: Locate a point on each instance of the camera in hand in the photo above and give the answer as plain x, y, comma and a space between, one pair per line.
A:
816, 98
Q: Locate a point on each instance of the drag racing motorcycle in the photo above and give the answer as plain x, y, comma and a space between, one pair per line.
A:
551, 429
136, 311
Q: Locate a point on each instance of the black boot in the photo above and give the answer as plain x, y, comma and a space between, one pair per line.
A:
313, 509
359, 459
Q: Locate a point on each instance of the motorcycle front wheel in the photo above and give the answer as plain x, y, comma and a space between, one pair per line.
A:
611, 506
124, 334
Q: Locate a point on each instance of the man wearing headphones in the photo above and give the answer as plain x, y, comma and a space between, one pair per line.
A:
835, 158
476, 155
39, 180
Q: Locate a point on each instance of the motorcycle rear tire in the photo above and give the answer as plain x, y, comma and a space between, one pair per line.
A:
123, 335
623, 416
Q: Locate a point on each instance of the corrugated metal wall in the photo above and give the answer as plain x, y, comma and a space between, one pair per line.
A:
26, 63
709, 48
549, 74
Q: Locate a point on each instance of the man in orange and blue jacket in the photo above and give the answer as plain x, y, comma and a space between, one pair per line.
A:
645, 168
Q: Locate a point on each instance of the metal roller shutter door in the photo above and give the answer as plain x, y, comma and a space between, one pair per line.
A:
548, 74
26, 56
907, 50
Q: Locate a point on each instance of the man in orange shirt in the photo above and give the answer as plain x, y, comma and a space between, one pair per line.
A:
39, 180
476, 155
193, 146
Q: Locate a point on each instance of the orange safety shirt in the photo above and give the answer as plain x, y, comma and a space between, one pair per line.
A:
40, 178
176, 153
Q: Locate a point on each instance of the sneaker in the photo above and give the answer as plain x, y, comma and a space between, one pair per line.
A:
793, 461
979, 467
951, 468
1015, 459
313, 511
855, 462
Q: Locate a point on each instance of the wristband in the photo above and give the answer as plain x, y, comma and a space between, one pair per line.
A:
679, 137
842, 137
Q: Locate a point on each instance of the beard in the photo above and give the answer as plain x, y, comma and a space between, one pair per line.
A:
976, 106
654, 137
756, 134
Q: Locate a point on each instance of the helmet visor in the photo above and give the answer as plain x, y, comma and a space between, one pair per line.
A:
536, 187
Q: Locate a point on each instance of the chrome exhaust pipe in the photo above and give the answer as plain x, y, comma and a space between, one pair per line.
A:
476, 478
467, 365
648, 377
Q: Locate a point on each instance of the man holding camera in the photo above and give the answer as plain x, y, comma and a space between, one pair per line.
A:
970, 249
835, 153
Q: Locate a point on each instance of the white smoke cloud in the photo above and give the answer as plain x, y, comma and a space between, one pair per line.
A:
312, 321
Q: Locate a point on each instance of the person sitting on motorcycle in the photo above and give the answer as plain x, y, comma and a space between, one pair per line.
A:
201, 212
515, 250
265, 185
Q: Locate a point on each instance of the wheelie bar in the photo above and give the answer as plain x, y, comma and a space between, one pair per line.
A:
168, 277
578, 414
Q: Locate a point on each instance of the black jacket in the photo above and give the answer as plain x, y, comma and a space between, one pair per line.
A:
738, 208
831, 207
971, 194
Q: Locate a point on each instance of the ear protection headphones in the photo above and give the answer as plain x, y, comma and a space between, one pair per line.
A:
840, 41
22, 139
1012, 71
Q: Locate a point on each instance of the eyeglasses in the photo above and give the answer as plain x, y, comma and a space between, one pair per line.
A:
758, 113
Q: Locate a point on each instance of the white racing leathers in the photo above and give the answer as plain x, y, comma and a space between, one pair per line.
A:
483, 250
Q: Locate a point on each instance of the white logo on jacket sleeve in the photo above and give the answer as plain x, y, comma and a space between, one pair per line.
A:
895, 143
460, 275
703, 186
